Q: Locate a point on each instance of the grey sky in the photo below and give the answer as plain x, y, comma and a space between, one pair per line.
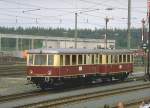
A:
60, 13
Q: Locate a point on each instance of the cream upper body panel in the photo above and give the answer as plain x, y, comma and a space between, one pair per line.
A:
64, 57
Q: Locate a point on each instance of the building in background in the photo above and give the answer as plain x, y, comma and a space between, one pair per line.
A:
26, 42
22, 43
61, 42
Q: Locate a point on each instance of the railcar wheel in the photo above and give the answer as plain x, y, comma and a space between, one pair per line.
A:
44, 86
123, 76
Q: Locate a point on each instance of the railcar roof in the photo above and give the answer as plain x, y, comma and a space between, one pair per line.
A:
77, 51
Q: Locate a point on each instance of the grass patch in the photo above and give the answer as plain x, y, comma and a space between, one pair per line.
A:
138, 68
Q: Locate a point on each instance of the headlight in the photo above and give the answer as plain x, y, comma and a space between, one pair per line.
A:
49, 72
31, 71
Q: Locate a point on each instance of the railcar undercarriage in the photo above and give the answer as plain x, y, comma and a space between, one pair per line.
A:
47, 82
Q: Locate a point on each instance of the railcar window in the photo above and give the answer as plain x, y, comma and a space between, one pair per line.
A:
61, 60
124, 58
106, 58
30, 59
116, 58
96, 59
120, 58
40, 59
92, 59
74, 62
67, 60
100, 59
79, 59
128, 58
50, 59
84, 59
111, 61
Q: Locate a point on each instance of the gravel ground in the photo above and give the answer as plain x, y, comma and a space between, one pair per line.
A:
95, 104
100, 102
14, 86
19, 85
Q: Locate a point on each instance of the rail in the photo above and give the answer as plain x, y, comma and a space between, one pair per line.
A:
85, 96
12, 70
39, 92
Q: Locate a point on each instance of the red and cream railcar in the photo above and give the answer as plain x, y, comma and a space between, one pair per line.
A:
47, 67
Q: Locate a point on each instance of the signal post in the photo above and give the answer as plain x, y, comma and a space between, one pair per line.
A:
148, 43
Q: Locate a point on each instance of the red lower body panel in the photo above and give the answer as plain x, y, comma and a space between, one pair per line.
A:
61, 71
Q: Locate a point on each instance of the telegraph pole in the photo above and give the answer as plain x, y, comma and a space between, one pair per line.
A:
76, 21
76, 32
148, 42
143, 31
144, 46
0, 43
106, 22
129, 24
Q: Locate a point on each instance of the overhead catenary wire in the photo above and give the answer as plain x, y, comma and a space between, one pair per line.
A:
64, 11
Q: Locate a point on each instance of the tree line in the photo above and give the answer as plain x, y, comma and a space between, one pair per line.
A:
120, 35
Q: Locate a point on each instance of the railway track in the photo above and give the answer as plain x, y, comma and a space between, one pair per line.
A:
12, 70
19, 96
85, 97
39, 92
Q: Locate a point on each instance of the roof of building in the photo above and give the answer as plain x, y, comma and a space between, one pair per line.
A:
53, 38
